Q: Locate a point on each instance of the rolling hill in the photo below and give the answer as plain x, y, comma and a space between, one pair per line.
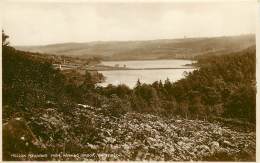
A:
186, 48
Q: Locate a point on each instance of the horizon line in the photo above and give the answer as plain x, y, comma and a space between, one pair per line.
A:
142, 40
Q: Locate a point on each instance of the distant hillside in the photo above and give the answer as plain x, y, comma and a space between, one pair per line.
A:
153, 49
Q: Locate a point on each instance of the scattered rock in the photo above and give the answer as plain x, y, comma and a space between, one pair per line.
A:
227, 144
214, 146
133, 136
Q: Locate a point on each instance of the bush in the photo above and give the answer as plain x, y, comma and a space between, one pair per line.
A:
117, 106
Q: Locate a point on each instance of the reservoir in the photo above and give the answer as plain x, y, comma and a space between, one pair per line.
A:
148, 71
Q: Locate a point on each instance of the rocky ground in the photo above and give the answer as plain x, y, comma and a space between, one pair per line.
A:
87, 133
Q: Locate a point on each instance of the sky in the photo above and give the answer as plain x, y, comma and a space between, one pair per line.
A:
46, 22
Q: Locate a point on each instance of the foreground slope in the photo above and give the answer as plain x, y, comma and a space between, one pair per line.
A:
88, 134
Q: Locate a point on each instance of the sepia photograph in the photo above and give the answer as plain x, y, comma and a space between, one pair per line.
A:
90, 80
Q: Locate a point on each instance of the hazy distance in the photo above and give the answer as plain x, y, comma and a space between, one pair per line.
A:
40, 23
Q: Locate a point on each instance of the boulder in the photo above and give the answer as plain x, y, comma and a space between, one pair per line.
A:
227, 144
214, 146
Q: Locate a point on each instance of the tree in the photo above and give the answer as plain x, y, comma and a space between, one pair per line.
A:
138, 83
117, 106
89, 82
149, 96
184, 108
5, 42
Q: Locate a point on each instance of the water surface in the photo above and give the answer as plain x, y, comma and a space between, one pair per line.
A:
130, 77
